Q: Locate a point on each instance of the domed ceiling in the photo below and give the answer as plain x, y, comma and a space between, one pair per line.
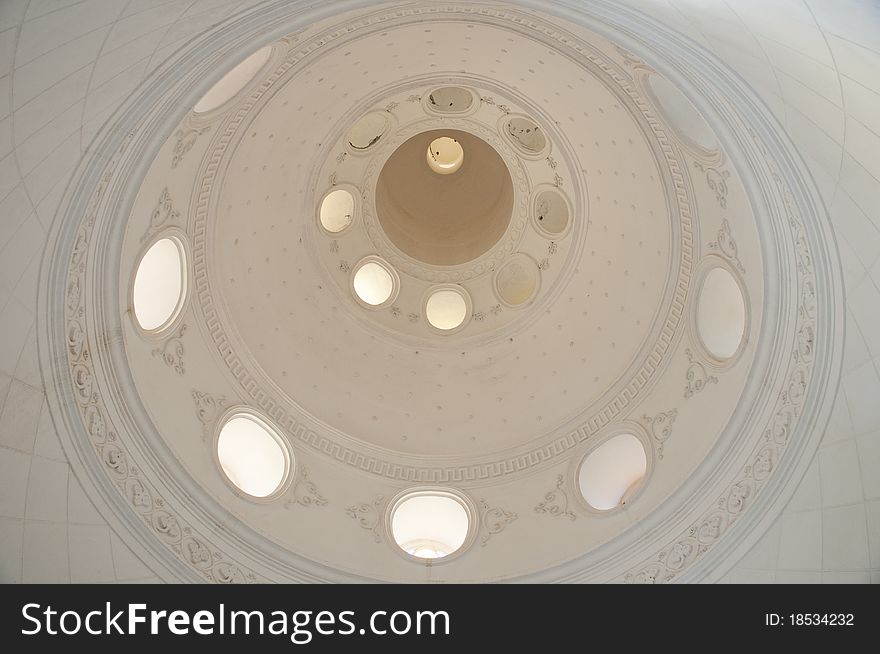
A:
603, 338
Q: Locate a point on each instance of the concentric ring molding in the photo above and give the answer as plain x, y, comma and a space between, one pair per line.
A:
318, 436
81, 389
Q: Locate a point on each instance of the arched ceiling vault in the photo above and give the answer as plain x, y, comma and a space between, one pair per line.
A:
675, 184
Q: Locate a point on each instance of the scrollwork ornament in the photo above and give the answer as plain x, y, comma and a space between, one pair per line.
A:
369, 516
208, 409
726, 245
555, 502
716, 180
493, 520
186, 139
305, 492
163, 214
660, 427
696, 376
171, 351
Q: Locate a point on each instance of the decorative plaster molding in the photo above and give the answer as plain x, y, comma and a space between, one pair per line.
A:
697, 376
305, 492
493, 520
726, 245
89, 424
555, 502
369, 516
208, 409
171, 351
162, 215
186, 139
660, 427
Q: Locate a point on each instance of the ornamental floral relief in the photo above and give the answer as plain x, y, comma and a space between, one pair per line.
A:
109, 448
716, 180
493, 520
163, 214
555, 502
208, 409
726, 245
171, 351
305, 491
369, 516
185, 140
697, 376
742, 493
660, 427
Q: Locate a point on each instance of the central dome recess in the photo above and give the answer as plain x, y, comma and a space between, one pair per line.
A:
444, 220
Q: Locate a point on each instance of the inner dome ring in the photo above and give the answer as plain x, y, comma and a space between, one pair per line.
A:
444, 220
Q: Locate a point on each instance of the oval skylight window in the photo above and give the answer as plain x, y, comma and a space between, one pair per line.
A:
367, 131
337, 210
721, 314
159, 285
373, 283
429, 525
678, 112
445, 155
517, 280
611, 471
450, 100
526, 134
446, 309
233, 81
551, 213
253, 457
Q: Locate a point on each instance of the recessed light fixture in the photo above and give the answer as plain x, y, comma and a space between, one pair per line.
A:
445, 155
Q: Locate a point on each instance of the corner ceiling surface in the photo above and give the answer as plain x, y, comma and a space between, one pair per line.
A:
373, 402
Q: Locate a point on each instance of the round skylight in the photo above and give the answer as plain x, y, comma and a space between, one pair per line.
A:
159, 284
373, 283
445, 155
233, 81
450, 100
252, 455
721, 314
551, 213
517, 280
526, 135
337, 210
430, 525
611, 471
446, 308
367, 131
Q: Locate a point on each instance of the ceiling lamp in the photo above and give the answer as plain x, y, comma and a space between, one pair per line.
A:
252, 455
430, 524
445, 155
159, 285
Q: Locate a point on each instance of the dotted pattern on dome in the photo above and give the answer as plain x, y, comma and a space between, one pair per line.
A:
575, 331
